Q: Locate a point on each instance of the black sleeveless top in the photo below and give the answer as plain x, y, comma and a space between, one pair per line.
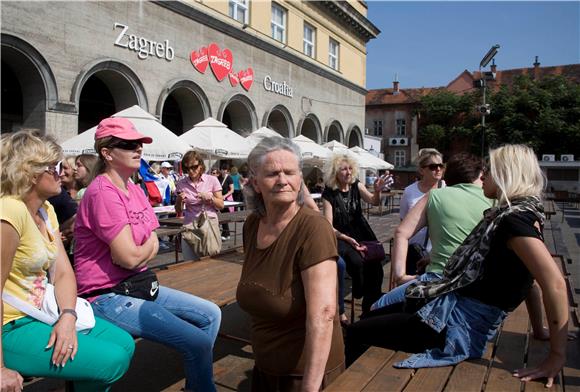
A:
347, 214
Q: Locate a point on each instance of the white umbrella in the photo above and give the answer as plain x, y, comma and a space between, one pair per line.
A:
335, 146
312, 152
256, 137
369, 161
215, 139
166, 145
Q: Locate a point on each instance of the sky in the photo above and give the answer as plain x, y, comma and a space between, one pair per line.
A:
429, 43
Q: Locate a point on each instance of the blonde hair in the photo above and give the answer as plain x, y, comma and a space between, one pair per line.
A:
332, 166
425, 154
516, 172
24, 155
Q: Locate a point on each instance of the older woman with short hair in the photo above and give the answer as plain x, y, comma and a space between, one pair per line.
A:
116, 239
341, 203
288, 283
489, 275
31, 246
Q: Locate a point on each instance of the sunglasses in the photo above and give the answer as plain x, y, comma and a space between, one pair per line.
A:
55, 170
188, 168
129, 145
435, 166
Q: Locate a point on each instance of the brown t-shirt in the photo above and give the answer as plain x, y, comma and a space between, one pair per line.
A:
271, 291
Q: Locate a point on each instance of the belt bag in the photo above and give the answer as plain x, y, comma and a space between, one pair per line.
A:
49, 311
143, 285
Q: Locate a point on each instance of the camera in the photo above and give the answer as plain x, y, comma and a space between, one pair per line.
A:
484, 109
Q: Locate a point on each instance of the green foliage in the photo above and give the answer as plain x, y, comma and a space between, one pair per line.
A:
544, 114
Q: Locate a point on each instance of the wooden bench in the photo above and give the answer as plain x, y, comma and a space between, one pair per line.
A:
513, 348
549, 208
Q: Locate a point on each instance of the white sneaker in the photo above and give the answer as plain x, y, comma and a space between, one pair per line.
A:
224, 238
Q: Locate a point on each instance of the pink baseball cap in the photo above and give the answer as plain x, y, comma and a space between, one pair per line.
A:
120, 127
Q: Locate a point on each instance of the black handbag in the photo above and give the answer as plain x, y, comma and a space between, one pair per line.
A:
143, 285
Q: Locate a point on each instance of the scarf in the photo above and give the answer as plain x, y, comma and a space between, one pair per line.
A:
465, 265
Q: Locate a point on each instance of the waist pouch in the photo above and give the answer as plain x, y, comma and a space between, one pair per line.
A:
143, 285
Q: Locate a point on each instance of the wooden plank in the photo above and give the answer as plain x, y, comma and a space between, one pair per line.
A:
571, 371
429, 379
470, 375
509, 354
390, 378
537, 352
362, 371
212, 279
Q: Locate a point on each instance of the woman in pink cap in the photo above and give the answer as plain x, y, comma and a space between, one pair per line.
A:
115, 240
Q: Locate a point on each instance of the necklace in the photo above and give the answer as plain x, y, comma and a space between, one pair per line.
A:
345, 196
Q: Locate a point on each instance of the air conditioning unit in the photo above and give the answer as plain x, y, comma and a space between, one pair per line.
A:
548, 157
398, 141
567, 158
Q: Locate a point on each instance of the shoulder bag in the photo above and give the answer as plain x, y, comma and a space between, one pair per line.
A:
203, 235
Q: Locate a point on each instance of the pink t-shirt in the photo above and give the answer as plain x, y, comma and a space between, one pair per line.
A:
193, 203
103, 212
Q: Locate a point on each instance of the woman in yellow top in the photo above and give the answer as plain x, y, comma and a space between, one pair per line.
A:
30, 246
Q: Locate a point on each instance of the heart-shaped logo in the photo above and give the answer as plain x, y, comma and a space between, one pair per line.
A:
246, 78
233, 79
199, 59
220, 61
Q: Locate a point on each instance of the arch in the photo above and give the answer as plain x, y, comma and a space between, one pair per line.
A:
309, 126
279, 119
116, 76
333, 131
186, 97
239, 113
36, 83
354, 136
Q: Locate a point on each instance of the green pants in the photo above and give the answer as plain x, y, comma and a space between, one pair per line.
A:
103, 354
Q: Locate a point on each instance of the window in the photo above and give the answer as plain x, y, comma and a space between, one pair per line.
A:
401, 126
333, 51
400, 158
239, 10
378, 128
309, 40
278, 23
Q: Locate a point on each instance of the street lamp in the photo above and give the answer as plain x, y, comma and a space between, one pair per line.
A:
482, 83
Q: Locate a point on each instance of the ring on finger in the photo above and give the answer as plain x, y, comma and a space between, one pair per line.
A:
70, 347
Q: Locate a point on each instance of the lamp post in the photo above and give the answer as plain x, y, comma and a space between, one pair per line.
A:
482, 83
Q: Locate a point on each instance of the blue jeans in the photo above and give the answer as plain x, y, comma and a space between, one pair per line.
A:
341, 266
397, 294
183, 321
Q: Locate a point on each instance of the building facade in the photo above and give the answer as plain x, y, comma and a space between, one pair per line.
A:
297, 67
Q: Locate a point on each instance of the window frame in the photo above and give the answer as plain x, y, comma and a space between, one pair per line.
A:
305, 42
400, 158
401, 127
378, 127
333, 57
275, 26
239, 4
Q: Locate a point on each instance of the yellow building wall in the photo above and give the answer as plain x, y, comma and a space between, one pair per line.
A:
352, 55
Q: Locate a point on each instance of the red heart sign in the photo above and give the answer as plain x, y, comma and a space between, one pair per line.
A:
220, 61
246, 78
233, 79
199, 59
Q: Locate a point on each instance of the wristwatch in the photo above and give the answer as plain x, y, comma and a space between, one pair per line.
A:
69, 311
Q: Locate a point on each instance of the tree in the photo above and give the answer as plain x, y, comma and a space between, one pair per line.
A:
543, 114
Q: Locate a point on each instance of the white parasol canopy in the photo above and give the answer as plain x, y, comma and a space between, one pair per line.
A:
369, 161
166, 145
335, 146
312, 153
216, 140
256, 137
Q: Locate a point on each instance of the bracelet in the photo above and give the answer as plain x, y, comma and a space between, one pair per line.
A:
69, 311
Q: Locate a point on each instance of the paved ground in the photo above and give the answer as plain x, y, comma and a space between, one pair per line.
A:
157, 368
